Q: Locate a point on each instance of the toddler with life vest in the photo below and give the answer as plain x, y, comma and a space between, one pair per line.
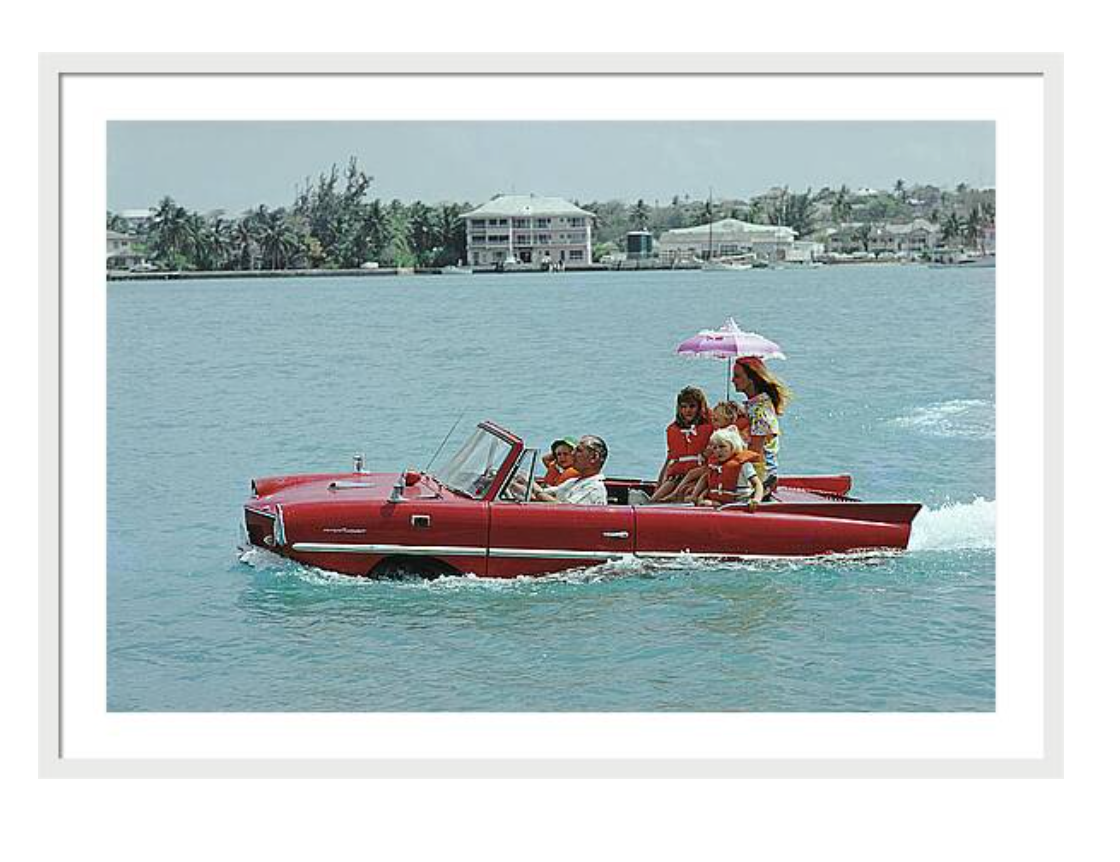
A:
559, 462
686, 436
732, 477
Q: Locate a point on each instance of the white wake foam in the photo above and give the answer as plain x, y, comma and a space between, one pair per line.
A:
969, 419
266, 561
956, 526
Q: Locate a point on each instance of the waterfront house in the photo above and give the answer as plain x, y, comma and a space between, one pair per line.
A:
914, 238
727, 237
121, 251
844, 238
528, 230
902, 240
805, 251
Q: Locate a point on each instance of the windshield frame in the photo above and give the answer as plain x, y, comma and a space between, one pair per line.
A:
459, 475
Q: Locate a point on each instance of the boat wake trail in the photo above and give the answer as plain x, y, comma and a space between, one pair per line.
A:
956, 526
967, 419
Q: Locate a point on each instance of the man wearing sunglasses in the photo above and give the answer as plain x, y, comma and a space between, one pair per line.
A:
589, 488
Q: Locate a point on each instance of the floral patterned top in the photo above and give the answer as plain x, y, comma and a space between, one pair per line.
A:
762, 421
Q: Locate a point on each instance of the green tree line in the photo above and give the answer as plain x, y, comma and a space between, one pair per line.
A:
332, 223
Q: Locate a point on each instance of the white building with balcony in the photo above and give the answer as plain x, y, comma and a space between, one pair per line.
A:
906, 240
528, 230
121, 251
728, 237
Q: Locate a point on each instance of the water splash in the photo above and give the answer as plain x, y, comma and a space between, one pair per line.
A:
956, 526
967, 419
265, 561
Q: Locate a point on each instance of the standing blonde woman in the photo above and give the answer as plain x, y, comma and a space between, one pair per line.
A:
767, 397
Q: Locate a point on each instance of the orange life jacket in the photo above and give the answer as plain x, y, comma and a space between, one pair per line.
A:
686, 447
744, 426
553, 475
723, 479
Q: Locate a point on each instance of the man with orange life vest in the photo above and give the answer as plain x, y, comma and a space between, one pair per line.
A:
733, 478
685, 437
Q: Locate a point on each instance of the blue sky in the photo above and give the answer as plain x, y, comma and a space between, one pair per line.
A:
237, 165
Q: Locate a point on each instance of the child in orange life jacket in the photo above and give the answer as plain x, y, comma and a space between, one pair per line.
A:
733, 478
686, 438
725, 413
560, 462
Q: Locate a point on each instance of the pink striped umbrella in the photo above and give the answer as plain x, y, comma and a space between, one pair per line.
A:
729, 342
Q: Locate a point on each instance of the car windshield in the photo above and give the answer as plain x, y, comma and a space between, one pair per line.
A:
472, 469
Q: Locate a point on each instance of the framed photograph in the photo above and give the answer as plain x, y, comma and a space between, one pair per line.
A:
558, 415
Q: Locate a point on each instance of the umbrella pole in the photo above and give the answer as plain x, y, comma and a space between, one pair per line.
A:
728, 398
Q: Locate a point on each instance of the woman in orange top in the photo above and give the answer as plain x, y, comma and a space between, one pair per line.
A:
685, 439
560, 463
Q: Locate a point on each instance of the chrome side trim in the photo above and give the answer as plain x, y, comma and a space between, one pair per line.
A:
554, 554
516, 553
696, 555
409, 550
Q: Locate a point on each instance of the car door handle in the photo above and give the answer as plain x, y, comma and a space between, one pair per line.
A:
617, 534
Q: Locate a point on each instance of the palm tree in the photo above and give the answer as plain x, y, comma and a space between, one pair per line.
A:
863, 234
707, 213
422, 231
973, 229
200, 244
452, 233
278, 239
842, 206
899, 189
756, 212
170, 233
950, 227
222, 238
244, 242
639, 215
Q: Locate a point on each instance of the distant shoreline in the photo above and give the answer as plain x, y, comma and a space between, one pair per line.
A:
184, 275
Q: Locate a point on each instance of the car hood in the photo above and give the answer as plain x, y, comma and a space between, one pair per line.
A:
336, 487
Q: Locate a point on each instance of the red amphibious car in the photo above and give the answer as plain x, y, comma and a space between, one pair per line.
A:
467, 517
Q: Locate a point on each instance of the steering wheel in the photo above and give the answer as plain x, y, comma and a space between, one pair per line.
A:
482, 483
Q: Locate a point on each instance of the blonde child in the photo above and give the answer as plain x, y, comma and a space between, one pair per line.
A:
732, 479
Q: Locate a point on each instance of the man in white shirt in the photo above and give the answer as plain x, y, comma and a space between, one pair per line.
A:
589, 488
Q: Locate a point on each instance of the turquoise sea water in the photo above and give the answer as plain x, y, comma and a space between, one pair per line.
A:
213, 383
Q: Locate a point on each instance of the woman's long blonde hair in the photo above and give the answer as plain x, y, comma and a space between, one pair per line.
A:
765, 381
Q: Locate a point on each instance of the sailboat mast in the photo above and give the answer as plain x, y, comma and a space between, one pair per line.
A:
711, 217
